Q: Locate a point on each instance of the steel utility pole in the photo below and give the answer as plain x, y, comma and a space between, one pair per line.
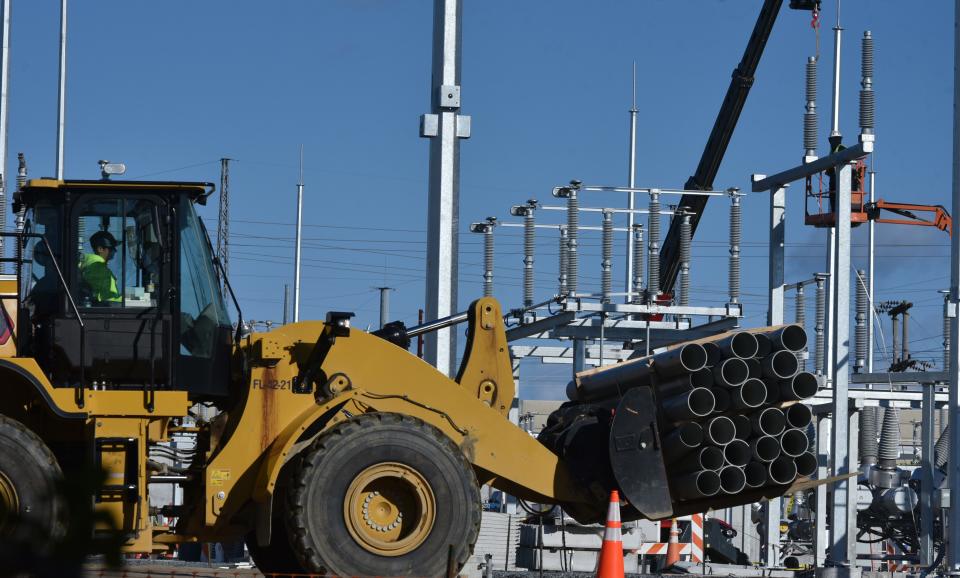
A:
953, 539
223, 218
384, 305
631, 183
445, 127
296, 254
4, 117
62, 89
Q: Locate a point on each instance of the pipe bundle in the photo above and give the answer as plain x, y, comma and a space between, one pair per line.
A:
727, 409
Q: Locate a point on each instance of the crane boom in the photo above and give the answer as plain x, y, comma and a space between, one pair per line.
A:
716, 147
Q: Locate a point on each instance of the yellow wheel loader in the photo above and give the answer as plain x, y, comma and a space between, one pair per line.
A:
329, 449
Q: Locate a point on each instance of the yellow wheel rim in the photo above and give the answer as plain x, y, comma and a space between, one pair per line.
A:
389, 509
9, 504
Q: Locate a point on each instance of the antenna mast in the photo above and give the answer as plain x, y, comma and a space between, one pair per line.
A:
296, 258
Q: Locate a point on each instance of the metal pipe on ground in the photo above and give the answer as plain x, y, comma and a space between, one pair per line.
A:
782, 471
741, 344
764, 345
755, 474
701, 484
721, 397
742, 423
768, 422
737, 453
687, 358
803, 385
750, 395
613, 380
765, 448
794, 442
713, 353
799, 416
683, 383
732, 480
693, 404
708, 458
789, 337
806, 464
720, 430
780, 365
773, 393
683, 439
731, 372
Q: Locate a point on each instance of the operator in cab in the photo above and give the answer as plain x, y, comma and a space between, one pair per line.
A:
97, 278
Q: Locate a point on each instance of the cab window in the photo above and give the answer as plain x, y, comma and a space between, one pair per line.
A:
203, 313
118, 253
41, 286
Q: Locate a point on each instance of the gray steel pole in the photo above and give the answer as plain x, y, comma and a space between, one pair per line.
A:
953, 539
835, 108
62, 87
384, 305
296, 254
895, 354
842, 541
778, 205
286, 303
631, 200
800, 318
871, 307
835, 139
4, 119
821, 542
830, 321
905, 344
777, 232
926, 479
443, 213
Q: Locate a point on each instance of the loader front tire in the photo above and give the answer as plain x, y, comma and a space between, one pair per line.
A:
32, 509
383, 495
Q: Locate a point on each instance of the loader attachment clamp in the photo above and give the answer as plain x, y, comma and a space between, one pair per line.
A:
635, 454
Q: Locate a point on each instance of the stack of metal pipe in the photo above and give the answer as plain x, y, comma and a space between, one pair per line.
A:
729, 411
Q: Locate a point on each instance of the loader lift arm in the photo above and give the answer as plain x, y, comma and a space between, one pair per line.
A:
723, 127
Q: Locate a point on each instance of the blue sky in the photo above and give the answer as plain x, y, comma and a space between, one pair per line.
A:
171, 87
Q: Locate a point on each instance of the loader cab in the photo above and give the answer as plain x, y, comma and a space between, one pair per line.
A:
136, 267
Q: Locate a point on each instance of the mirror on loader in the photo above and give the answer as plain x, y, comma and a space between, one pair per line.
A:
138, 269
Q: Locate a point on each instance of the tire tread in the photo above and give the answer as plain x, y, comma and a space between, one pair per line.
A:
312, 459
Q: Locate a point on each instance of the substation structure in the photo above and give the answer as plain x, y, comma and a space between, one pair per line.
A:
870, 516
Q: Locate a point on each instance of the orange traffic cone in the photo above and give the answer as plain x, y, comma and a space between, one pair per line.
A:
610, 564
673, 545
